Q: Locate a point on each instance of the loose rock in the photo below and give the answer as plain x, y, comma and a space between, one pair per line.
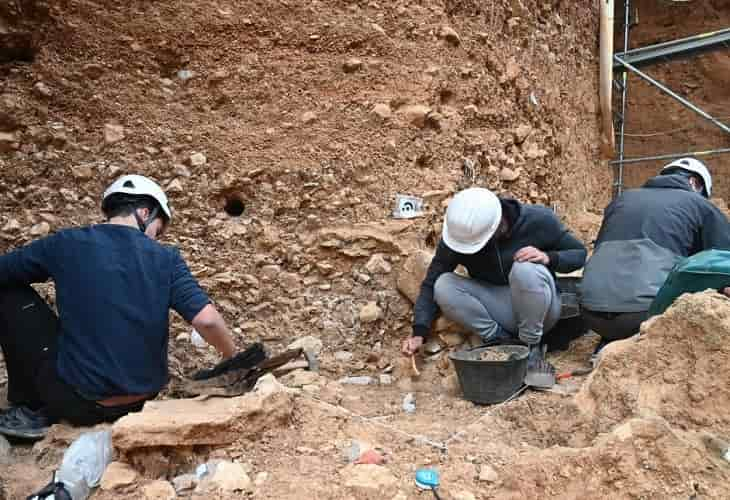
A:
351, 65
82, 172
159, 490
186, 482
118, 475
464, 495
229, 477
309, 117
450, 35
113, 133
41, 229
488, 474
308, 343
40, 89
509, 175
383, 111
415, 114
370, 312
378, 265
197, 159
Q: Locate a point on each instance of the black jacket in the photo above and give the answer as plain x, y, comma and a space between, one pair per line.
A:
529, 225
644, 234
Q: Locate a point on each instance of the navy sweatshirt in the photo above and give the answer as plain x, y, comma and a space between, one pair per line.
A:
529, 225
114, 289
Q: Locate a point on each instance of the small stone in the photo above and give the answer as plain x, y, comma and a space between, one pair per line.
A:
464, 495
117, 475
159, 490
197, 159
82, 172
219, 76
378, 29
269, 272
370, 313
363, 278
93, 71
185, 75
522, 132
416, 114
309, 117
8, 142
261, 478
308, 343
364, 380
11, 226
175, 186
351, 65
378, 265
41, 229
181, 170
383, 111
471, 109
450, 35
386, 379
511, 71
343, 356
186, 482
509, 175
488, 474
113, 133
230, 477
40, 89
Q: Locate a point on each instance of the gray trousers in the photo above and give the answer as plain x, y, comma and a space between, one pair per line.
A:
527, 307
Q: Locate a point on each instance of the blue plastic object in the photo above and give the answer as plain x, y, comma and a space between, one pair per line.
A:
427, 479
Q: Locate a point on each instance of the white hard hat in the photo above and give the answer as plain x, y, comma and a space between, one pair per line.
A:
472, 218
694, 166
139, 185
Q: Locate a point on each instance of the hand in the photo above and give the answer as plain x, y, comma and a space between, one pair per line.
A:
532, 254
411, 345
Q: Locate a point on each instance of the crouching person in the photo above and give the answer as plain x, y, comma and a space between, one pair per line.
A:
511, 251
106, 352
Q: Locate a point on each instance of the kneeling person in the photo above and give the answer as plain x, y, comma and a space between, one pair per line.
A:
511, 251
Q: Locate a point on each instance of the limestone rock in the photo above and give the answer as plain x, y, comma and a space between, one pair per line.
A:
159, 490
82, 172
215, 421
117, 475
309, 117
378, 265
300, 378
41, 229
415, 114
351, 65
511, 72
11, 226
509, 175
368, 477
308, 343
270, 272
522, 132
185, 482
113, 133
413, 273
488, 474
175, 186
383, 111
40, 89
370, 313
197, 159
450, 35
228, 478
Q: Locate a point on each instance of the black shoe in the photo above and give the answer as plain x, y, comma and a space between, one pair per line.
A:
55, 490
540, 373
24, 423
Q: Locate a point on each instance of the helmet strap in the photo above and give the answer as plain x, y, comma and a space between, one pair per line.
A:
144, 224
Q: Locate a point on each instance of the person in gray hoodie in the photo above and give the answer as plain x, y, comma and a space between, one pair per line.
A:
644, 233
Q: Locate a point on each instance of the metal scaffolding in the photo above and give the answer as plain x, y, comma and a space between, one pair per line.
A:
630, 61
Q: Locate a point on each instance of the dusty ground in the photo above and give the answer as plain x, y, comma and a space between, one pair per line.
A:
313, 147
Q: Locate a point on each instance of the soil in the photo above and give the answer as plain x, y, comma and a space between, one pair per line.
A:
285, 216
494, 354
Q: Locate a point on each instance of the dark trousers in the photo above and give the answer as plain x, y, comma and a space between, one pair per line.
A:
29, 341
614, 326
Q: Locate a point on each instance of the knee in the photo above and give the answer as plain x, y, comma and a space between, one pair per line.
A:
523, 273
444, 288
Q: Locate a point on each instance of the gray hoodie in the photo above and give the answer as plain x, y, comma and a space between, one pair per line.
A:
645, 232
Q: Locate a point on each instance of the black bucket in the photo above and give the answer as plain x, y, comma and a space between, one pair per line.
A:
488, 382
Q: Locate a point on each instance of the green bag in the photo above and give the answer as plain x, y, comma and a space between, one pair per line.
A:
705, 270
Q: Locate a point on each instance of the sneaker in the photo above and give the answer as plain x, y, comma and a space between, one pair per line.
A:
24, 423
540, 373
